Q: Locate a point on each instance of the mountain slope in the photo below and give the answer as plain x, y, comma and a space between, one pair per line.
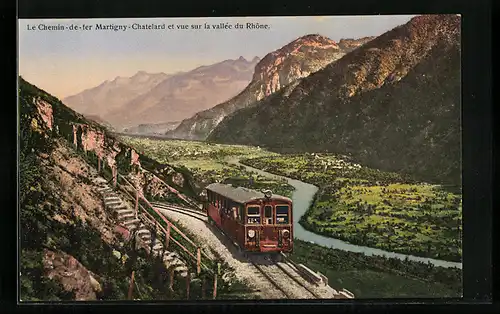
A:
152, 129
69, 238
393, 103
100, 121
109, 95
181, 95
277, 69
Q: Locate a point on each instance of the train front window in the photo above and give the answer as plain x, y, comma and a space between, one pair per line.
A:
268, 214
253, 214
282, 214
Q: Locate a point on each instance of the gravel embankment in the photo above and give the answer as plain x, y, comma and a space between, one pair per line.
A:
210, 237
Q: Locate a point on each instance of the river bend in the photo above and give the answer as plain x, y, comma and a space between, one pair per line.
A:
302, 198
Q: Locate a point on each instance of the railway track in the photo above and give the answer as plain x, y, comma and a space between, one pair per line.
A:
182, 210
289, 268
275, 268
283, 276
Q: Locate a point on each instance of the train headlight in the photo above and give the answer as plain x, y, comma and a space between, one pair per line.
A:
286, 234
251, 233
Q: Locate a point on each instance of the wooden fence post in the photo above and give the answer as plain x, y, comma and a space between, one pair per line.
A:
98, 164
114, 176
136, 202
215, 286
171, 281
188, 283
217, 273
198, 260
131, 286
167, 237
157, 232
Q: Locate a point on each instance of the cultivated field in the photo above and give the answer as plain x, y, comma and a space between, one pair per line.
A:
208, 162
354, 203
374, 208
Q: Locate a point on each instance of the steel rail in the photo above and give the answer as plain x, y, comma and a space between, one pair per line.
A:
271, 280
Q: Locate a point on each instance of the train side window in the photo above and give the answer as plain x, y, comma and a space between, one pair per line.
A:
234, 209
228, 207
240, 212
253, 214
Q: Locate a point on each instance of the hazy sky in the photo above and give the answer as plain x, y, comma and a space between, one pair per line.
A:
65, 62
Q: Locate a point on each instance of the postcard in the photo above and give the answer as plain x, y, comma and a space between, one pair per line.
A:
236, 158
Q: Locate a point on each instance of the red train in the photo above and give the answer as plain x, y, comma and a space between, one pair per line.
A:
255, 221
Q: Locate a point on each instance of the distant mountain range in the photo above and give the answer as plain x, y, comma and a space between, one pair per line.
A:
393, 103
277, 69
147, 98
111, 95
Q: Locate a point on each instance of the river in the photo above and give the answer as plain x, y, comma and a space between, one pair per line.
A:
302, 198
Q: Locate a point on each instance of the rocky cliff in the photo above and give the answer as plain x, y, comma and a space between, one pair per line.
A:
277, 69
68, 237
393, 103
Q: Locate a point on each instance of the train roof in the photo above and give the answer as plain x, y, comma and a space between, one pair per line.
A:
241, 194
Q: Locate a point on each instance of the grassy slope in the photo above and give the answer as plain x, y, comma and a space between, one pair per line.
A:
207, 162
377, 277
